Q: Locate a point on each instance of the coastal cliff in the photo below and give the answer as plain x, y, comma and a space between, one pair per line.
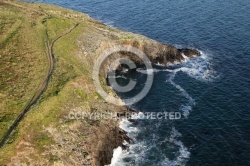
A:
47, 135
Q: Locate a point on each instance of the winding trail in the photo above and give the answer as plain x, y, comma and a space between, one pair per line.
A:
42, 87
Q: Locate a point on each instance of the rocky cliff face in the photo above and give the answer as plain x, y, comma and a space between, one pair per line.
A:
46, 136
158, 53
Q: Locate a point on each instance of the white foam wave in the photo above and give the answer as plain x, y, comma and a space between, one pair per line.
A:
137, 151
183, 153
198, 68
185, 57
119, 76
148, 71
134, 152
128, 127
188, 106
116, 155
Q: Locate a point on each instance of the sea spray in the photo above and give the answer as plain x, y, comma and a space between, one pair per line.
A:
137, 153
116, 154
198, 68
183, 153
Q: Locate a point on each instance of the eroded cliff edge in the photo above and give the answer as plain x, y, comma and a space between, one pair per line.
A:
157, 52
54, 131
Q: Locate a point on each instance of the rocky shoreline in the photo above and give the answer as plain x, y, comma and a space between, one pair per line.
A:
46, 136
158, 53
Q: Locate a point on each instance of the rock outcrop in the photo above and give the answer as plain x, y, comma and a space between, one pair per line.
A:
158, 53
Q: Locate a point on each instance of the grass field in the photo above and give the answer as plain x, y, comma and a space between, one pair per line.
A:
24, 65
23, 62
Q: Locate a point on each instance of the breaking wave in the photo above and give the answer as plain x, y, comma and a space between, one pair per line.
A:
199, 68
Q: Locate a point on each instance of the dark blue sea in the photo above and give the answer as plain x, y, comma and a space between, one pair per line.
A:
212, 91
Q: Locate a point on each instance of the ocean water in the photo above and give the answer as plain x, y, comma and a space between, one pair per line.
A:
211, 92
